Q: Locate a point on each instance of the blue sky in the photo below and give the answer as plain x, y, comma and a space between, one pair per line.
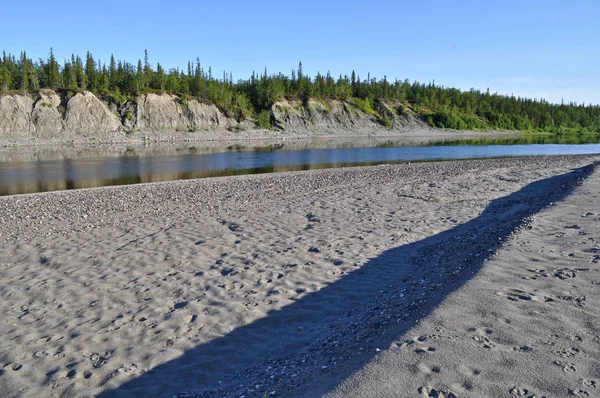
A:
532, 48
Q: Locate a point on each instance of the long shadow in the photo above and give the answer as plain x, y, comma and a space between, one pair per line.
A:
365, 309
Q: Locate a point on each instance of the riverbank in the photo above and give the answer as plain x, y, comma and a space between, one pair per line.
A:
222, 139
259, 280
81, 117
161, 144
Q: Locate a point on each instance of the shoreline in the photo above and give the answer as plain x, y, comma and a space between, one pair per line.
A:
224, 138
179, 285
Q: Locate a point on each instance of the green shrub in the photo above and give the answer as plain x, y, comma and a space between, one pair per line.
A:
455, 121
263, 120
184, 102
385, 121
364, 105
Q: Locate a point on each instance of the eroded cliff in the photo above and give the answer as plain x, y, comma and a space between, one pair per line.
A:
67, 115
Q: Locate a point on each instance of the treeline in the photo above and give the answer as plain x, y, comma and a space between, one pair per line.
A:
439, 106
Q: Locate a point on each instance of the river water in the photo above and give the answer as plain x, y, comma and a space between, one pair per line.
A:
18, 176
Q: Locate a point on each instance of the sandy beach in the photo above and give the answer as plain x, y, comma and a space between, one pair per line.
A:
466, 279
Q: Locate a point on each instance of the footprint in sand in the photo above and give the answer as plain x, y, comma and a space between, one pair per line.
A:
537, 273
98, 359
115, 324
40, 354
523, 348
420, 339
425, 350
427, 370
232, 286
523, 392
423, 338
578, 301
567, 353
579, 393
14, 366
250, 305
516, 295
427, 391
484, 342
566, 273
567, 366
521, 295
589, 383
127, 369
481, 338
406, 343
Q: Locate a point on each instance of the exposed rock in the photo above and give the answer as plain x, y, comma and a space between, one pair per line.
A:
203, 116
87, 115
337, 114
128, 113
320, 115
400, 116
64, 115
289, 114
160, 112
47, 115
15, 115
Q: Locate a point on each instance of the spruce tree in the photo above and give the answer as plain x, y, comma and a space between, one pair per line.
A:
90, 72
25, 73
53, 72
5, 78
141, 78
112, 69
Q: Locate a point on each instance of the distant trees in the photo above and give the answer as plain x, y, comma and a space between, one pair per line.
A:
440, 106
54, 80
5, 78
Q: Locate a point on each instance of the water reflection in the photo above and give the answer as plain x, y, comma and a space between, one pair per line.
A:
131, 167
32, 186
525, 139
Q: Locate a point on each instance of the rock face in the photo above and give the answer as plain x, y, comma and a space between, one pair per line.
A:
67, 115
160, 112
337, 114
15, 115
55, 115
46, 116
164, 112
207, 116
86, 115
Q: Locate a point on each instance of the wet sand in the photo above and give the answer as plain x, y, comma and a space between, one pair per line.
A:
301, 283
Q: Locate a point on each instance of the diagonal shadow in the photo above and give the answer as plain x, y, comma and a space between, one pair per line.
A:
368, 308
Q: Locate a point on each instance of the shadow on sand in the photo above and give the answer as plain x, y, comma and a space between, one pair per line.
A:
405, 284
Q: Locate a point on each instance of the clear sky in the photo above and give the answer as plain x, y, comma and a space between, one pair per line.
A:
533, 48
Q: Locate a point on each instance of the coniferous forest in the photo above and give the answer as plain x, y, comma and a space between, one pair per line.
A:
443, 107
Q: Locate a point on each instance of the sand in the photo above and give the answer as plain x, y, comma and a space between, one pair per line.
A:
377, 281
526, 325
